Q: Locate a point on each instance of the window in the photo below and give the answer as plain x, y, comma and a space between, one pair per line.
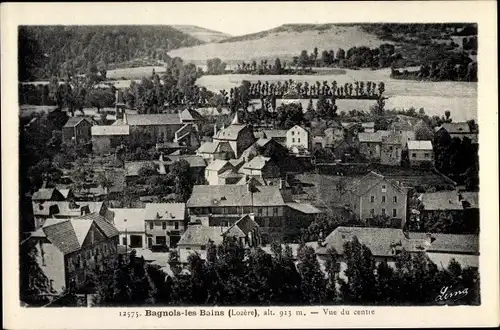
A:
383, 211
426, 155
259, 211
124, 241
372, 199
151, 225
383, 199
394, 213
164, 225
188, 248
176, 224
293, 139
413, 155
390, 148
384, 188
395, 199
298, 140
371, 152
293, 132
275, 211
372, 212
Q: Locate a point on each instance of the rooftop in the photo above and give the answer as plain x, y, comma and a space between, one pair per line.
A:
200, 235
361, 186
153, 119
131, 220
419, 145
304, 208
165, 211
450, 243
65, 208
257, 163
456, 128
74, 121
217, 165
191, 114
100, 130
448, 200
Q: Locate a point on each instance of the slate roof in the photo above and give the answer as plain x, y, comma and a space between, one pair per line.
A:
132, 168
190, 114
193, 160
216, 165
450, 243
43, 209
68, 235
74, 121
419, 145
208, 147
361, 186
235, 195
166, 211
200, 235
456, 128
274, 133
135, 219
448, 200
105, 130
375, 137
378, 240
257, 163
230, 133
43, 194
304, 208
242, 227
153, 119
442, 260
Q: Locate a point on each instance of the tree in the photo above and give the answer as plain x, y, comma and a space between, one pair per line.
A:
277, 66
99, 98
33, 281
303, 60
183, 180
332, 267
313, 283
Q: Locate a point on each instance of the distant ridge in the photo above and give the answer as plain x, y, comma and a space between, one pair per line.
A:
202, 34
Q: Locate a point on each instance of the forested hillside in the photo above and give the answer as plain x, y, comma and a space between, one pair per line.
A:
45, 51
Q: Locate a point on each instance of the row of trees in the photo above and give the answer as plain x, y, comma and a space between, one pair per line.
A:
440, 71
292, 89
232, 276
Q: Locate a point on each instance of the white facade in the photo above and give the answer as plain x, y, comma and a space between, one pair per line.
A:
298, 138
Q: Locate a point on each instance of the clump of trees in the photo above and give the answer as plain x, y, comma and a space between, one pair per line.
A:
216, 66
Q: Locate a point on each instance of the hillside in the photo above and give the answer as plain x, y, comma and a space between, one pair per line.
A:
285, 42
202, 34
52, 50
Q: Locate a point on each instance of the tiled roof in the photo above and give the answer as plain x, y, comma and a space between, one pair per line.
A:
153, 119
100, 130
304, 208
190, 114
134, 219
193, 160
74, 121
263, 141
230, 174
43, 194
200, 235
419, 145
235, 195
378, 240
274, 133
165, 211
450, 243
457, 128
361, 186
257, 163
375, 137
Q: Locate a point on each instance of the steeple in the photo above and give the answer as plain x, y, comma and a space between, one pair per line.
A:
235, 121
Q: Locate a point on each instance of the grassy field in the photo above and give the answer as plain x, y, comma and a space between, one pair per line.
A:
281, 42
134, 73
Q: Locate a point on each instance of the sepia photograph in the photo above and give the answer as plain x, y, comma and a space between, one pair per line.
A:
272, 163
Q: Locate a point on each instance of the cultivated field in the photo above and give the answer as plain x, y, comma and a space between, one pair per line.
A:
281, 43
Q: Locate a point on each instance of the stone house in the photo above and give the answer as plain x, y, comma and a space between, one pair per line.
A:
131, 225
71, 249
165, 223
261, 166
77, 130
105, 139
420, 152
374, 195
298, 140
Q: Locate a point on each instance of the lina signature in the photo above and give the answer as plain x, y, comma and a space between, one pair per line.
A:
447, 293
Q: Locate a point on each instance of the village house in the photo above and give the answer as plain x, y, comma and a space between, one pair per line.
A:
261, 166
215, 169
374, 195
222, 205
71, 249
77, 130
197, 237
278, 135
298, 140
420, 153
105, 139
384, 147
43, 210
228, 143
368, 127
131, 225
165, 223
193, 117
48, 194
457, 130
385, 244
462, 208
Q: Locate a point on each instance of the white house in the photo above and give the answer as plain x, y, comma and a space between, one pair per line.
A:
131, 225
420, 152
298, 139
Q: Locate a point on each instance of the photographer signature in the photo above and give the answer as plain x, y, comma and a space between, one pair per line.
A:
447, 293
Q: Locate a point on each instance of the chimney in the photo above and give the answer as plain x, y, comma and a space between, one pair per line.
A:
282, 184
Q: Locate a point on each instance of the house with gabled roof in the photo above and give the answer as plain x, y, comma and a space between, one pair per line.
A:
165, 223
69, 250
43, 210
47, 194
261, 166
77, 130
420, 152
374, 195
106, 138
